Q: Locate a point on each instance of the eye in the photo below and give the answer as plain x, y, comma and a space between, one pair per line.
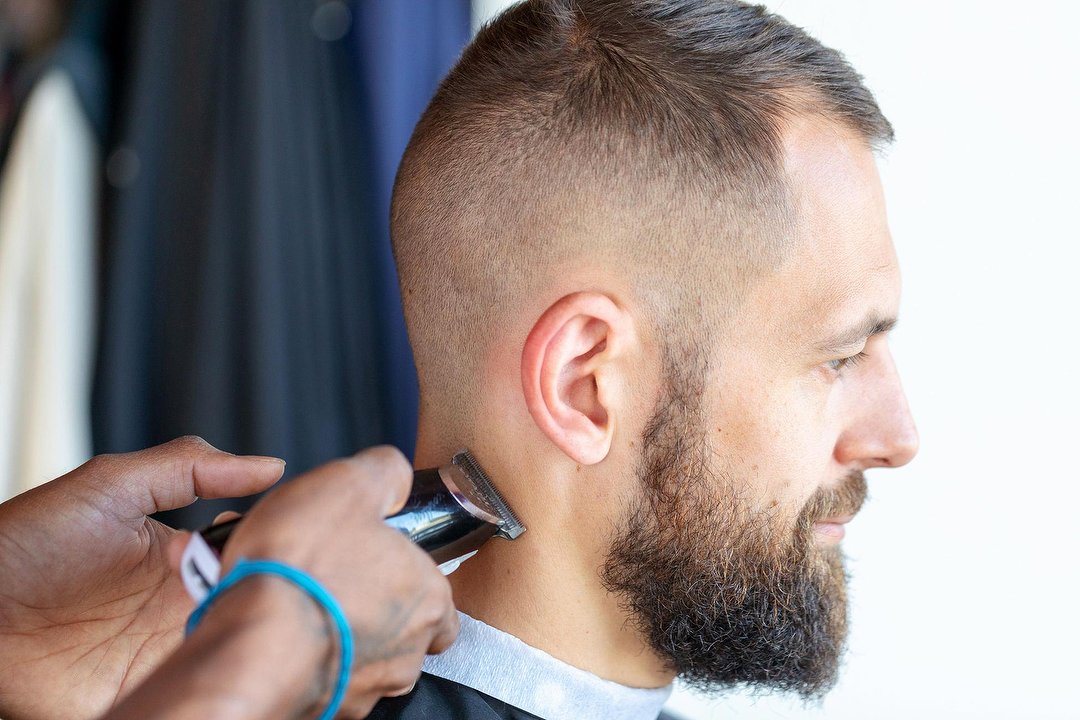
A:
846, 363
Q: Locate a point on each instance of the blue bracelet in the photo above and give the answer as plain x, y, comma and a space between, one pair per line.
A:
246, 568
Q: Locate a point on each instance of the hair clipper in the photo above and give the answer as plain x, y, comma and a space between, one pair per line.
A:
451, 511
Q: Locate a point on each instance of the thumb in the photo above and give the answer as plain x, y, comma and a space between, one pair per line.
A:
179, 472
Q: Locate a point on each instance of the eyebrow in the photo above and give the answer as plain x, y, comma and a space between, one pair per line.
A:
871, 326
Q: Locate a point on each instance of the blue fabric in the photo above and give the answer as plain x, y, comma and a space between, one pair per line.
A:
402, 49
245, 568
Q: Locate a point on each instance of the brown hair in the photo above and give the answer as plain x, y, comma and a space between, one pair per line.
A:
639, 137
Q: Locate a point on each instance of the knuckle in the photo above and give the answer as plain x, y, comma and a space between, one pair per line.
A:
181, 449
98, 463
435, 611
427, 617
443, 596
403, 674
379, 474
443, 640
389, 455
358, 705
188, 443
453, 627
386, 462
379, 679
341, 474
340, 468
102, 471
403, 690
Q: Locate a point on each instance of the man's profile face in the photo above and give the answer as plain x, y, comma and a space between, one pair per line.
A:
753, 459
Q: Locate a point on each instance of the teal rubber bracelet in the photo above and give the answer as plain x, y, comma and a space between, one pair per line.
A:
246, 568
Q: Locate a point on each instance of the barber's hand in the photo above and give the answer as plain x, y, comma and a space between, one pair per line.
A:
264, 649
88, 603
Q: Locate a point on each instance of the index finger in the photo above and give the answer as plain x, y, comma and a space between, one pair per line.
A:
179, 472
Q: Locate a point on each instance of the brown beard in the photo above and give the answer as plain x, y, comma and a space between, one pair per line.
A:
729, 594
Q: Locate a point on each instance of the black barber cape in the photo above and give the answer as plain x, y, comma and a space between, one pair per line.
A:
435, 698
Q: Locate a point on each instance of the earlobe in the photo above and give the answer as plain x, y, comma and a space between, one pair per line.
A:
570, 373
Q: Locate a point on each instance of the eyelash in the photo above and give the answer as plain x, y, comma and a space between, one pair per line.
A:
848, 362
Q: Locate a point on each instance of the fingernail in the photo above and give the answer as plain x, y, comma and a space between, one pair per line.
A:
266, 459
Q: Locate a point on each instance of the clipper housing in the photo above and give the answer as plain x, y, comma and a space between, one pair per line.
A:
451, 511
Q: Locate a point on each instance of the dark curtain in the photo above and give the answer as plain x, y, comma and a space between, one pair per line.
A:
248, 295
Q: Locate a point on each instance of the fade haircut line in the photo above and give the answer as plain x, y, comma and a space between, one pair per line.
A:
641, 138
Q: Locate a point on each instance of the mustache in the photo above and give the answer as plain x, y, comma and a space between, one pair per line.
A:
842, 500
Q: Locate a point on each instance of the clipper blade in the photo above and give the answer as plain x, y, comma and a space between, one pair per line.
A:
487, 496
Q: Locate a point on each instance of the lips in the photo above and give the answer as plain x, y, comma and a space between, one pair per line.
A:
837, 520
830, 528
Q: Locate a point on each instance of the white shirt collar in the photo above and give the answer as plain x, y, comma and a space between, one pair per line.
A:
502, 666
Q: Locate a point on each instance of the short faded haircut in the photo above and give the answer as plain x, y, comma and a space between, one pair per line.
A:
642, 137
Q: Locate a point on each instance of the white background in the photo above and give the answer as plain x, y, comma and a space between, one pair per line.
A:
966, 563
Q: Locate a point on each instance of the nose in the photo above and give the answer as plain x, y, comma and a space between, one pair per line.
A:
881, 431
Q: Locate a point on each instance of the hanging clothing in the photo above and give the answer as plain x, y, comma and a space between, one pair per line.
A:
48, 224
246, 274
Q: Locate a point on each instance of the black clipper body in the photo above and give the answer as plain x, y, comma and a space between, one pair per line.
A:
451, 511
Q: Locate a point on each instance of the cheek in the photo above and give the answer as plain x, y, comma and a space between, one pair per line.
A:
775, 444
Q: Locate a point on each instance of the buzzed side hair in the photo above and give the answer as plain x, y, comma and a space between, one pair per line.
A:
641, 138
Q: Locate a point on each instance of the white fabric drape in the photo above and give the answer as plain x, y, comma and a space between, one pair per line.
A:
48, 229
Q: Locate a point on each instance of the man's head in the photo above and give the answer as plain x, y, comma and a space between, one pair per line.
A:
642, 245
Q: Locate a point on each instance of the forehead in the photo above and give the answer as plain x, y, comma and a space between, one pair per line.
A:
842, 266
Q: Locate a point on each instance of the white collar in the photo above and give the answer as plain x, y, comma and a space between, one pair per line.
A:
502, 666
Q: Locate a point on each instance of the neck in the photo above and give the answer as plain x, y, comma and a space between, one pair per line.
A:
545, 590
543, 602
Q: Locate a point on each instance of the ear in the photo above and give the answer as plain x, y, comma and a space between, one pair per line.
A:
571, 373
